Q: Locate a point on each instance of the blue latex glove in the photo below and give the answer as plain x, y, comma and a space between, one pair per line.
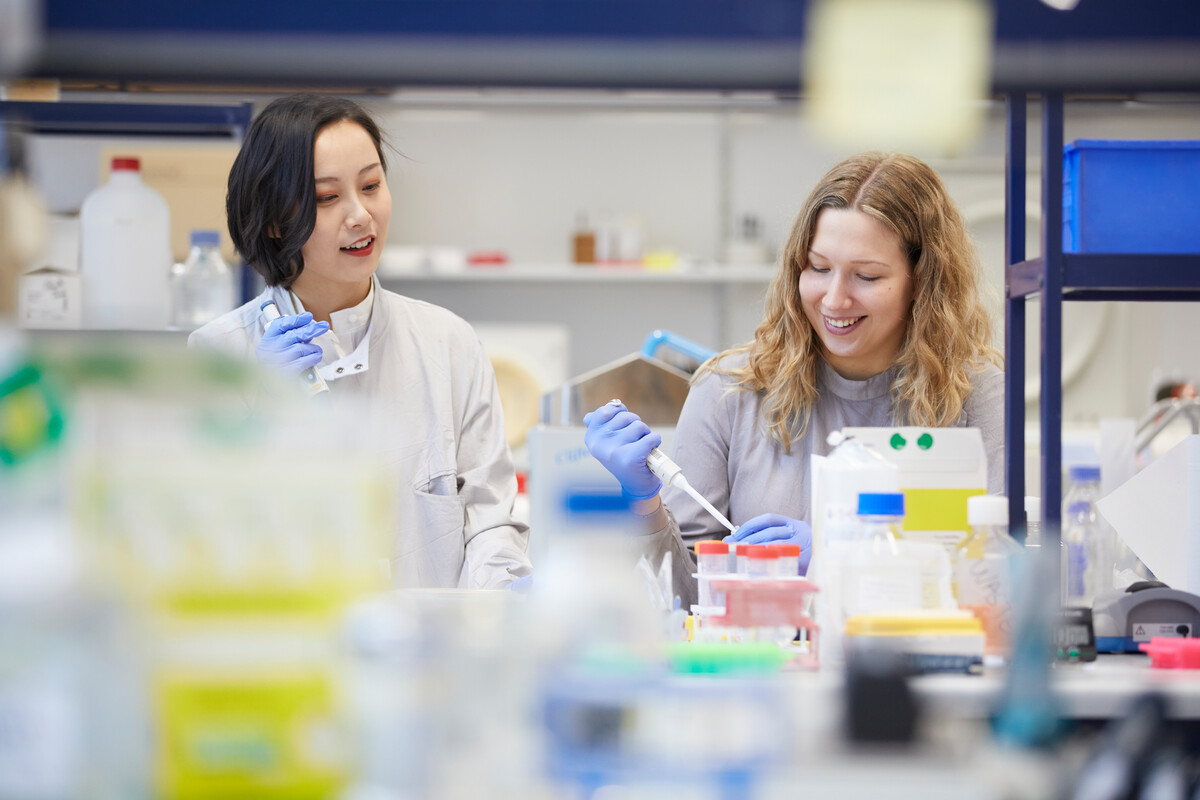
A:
619, 440
521, 585
286, 344
776, 529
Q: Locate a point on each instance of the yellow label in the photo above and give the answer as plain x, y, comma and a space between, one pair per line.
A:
937, 509
268, 735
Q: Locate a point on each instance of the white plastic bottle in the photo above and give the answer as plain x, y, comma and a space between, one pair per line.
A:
202, 287
125, 252
984, 570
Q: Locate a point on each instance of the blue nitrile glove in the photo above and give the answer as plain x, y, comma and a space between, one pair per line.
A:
286, 347
619, 440
521, 585
776, 529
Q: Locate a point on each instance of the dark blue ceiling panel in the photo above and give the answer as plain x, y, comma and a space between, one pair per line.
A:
673, 44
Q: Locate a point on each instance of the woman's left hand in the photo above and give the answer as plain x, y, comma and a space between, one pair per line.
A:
776, 529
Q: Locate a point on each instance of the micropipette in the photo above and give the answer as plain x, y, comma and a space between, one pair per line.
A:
671, 475
312, 379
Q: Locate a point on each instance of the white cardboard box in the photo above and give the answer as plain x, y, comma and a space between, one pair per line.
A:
49, 298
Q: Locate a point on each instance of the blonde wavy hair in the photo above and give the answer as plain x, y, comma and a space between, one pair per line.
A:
948, 332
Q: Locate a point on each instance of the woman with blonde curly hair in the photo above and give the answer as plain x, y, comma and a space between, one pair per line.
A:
873, 319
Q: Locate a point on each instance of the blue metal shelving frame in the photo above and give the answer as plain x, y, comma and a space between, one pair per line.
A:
223, 121
132, 119
1059, 277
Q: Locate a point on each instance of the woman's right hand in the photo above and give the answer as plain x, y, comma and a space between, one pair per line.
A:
286, 343
619, 440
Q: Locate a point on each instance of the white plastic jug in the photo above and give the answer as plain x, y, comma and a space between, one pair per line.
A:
125, 252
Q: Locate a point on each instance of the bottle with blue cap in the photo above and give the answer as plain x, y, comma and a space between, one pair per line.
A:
880, 576
202, 287
881, 515
1086, 562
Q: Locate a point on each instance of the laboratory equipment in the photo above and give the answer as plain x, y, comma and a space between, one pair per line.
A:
777, 529
1172, 652
762, 562
757, 609
1123, 620
877, 575
1085, 555
925, 641
202, 287
789, 559
937, 469
671, 475
313, 381
712, 558
1074, 636
125, 252
1033, 521
984, 569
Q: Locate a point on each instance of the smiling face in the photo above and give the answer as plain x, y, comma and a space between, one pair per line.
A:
856, 292
353, 209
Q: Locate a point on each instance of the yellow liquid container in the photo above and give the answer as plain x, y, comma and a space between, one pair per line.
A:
983, 570
927, 641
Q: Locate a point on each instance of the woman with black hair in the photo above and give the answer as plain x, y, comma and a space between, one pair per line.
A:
308, 207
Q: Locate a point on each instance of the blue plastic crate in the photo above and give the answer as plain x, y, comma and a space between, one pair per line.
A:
1127, 196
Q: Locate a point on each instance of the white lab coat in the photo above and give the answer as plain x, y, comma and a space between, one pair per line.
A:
432, 394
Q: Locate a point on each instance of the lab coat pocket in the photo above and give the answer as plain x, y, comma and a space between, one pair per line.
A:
430, 549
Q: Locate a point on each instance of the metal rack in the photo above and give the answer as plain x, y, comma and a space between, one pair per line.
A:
1060, 277
132, 119
222, 121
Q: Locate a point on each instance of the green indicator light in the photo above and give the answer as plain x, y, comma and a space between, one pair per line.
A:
925, 441
898, 442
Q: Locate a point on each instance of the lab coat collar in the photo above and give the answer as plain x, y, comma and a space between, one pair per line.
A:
357, 360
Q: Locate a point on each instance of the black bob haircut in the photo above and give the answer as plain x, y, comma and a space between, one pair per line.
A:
270, 204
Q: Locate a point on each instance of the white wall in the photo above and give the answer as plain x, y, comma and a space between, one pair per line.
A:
485, 173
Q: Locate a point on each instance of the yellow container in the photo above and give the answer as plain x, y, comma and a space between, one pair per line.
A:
927, 641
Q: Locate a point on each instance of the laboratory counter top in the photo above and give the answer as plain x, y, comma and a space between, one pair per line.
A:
1102, 689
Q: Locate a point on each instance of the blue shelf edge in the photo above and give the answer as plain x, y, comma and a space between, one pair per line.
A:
132, 119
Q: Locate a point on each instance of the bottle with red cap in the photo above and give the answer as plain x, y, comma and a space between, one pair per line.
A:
125, 252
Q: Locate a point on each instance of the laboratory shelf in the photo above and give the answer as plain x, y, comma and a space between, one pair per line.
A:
584, 273
1114, 276
132, 119
1058, 277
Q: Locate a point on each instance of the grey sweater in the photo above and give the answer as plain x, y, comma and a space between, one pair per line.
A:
722, 446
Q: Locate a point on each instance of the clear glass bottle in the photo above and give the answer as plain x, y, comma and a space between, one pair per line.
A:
983, 569
202, 288
1033, 521
879, 577
1086, 562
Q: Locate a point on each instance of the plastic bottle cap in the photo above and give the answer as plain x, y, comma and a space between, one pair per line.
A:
787, 550
1033, 509
888, 504
205, 237
126, 164
712, 548
744, 549
1084, 472
759, 552
987, 509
